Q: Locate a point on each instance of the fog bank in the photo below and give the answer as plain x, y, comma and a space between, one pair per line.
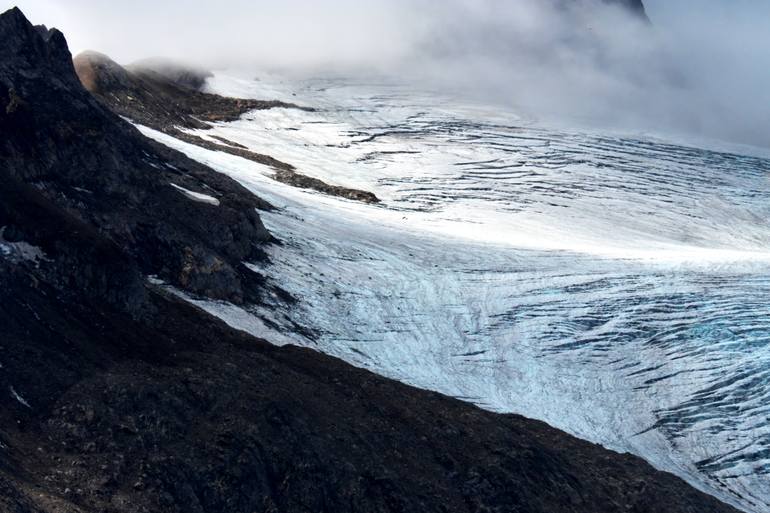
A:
703, 72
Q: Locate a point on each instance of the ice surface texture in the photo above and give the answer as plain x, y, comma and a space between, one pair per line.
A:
615, 287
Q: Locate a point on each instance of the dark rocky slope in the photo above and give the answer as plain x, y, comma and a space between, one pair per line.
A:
81, 157
117, 397
162, 96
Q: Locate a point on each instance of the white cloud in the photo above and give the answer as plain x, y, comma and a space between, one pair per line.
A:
700, 69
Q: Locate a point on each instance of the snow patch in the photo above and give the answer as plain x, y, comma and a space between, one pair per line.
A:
19, 398
153, 279
19, 251
238, 318
197, 196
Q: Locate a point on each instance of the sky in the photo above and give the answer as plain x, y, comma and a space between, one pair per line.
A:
701, 69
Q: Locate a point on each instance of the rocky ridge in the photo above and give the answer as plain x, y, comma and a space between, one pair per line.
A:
59, 142
164, 96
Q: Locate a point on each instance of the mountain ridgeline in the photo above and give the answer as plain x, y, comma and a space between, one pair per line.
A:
120, 397
167, 97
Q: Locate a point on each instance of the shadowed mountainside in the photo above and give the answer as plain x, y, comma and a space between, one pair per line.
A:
55, 137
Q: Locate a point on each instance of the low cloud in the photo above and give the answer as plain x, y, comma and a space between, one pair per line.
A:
703, 72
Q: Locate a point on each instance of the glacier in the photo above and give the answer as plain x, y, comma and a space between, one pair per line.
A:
615, 286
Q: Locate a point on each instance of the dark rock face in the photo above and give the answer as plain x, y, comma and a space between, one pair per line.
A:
635, 6
119, 398
162, 96
81, 157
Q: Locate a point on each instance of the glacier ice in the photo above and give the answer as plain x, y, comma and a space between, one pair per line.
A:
616, 287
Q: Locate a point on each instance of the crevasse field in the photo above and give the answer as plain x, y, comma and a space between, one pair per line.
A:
615, 287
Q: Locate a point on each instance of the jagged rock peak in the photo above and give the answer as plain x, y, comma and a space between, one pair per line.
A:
636, 6
88, 161
32, 48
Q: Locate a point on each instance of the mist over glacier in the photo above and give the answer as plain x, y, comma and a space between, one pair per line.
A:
694, 71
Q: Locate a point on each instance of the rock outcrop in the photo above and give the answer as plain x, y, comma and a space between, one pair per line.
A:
119, 397
187, 76
635, 6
